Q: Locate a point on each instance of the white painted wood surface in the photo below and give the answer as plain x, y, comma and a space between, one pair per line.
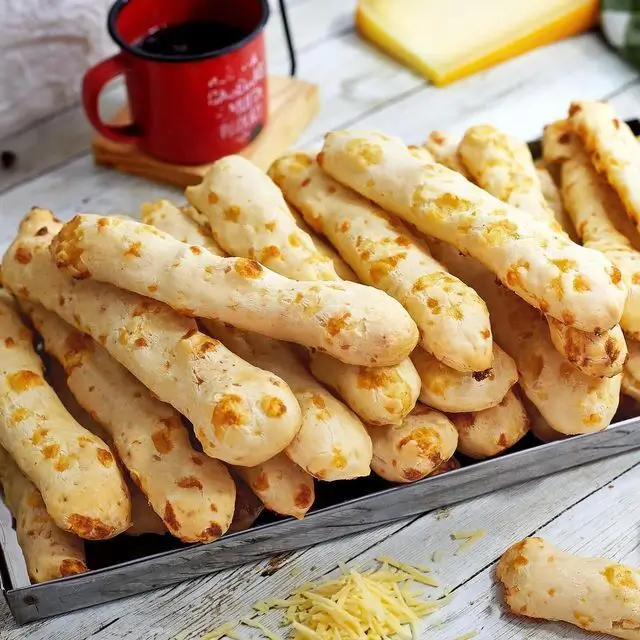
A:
591, 510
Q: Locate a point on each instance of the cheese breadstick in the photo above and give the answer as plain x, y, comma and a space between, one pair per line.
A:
357, 324
444, 150
450, 465
177, 222
49, 552
575, 285
538, 425
241, 415
143, 518
229, 195
281, 485
591, 202
331, 444
503, 166
595, 594
379, 395
448, 390
385, 254
570, 401
485, 434
613, 148
423, 443
192, 493
65, 461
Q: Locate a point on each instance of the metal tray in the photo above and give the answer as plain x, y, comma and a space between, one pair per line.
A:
126, 566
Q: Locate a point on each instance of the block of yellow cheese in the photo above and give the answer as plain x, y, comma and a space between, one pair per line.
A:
445, 40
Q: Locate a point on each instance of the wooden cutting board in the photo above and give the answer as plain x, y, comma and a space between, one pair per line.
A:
293, 104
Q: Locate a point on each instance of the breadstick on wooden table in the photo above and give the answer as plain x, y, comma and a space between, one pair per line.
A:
65, 461
49, 552
165, 216
444, 150
385, 254
357, 324
573, 284
452, 391
192, 493
485, 434
332, 444
241, 414
570, 401
614, 150
425, 441
502, 165
595, 594
379, 395
143, 518
281, 485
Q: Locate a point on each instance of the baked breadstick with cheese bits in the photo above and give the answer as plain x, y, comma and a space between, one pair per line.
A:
452, 391
180, 224
444, 150
241, 414
229, 195
332, 443
65, 461
282, 486
595, 594
379, 395
485, 434
248, 507
422, 444
575, 285
385, 254
49, 552
354, 323
192, 493
143, 518
631, 372
570, 401
613, 149
592, 205
503, 166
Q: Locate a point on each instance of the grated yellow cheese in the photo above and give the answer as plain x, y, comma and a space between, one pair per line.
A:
267, 633
469, 537
468, 636
376, 604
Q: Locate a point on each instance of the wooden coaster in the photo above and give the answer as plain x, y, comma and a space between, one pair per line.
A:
293, 104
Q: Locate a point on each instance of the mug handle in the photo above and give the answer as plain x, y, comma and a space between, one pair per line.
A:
288, 37
92, 84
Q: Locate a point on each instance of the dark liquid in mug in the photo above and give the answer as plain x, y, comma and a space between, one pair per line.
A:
191, 38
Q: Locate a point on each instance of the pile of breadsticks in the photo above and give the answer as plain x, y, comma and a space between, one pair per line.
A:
373, 308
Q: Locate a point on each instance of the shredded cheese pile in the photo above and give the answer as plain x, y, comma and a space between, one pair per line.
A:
375, 604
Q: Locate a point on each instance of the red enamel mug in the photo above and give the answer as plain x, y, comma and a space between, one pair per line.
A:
189, 108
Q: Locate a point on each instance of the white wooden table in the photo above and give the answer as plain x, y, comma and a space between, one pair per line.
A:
590, 510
